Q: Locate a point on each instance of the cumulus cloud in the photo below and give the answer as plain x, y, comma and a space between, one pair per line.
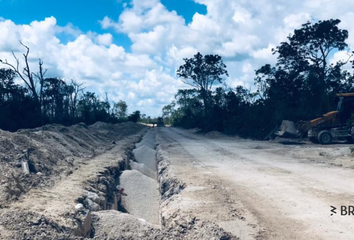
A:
105, 39
242, 32
89, 58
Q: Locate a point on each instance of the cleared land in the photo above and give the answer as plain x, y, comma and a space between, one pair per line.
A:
191, 186
262, 190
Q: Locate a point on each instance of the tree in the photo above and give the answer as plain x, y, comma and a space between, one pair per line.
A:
25, 74
134, 117
202, 72
56, 99
303, 83
76, 90
120, 109
168, 112
8, 88
16, 107
304, 57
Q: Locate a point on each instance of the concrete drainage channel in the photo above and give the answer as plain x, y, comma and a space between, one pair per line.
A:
131, 187
141, 196
101, 194
132, 200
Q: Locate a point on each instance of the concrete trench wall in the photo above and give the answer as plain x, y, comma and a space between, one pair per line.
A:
101, 194
144, 180
135, 176
141, 196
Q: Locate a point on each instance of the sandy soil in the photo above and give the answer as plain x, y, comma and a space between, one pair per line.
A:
45, 209
211, 186
261, 190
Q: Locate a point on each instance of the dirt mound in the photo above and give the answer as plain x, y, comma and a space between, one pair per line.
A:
117, 225
214, 134
32, 226
51, 150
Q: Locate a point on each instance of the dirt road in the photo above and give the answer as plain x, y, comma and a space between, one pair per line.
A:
261, 190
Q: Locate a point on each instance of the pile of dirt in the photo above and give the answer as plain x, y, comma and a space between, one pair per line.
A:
340, 155
32, 226
214, 134
148, 140
51, 150
116, 225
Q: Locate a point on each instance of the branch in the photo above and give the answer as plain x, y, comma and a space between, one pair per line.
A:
16, 69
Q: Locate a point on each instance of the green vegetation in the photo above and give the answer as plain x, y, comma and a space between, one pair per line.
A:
301, 86
43, 100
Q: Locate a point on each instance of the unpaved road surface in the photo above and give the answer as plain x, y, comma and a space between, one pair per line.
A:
261, 190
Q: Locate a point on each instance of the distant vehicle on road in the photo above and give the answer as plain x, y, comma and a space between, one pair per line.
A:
158, 123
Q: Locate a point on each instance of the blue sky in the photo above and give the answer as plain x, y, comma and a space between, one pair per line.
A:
84, 14
130, 49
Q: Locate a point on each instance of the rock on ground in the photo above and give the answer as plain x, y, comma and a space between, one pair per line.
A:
117, 225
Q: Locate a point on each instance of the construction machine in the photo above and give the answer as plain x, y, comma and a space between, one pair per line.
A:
160, 122
335, 125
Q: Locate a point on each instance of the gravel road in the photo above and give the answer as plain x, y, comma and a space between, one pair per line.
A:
261, 190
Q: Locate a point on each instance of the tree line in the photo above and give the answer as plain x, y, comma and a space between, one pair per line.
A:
40, 100
302, 85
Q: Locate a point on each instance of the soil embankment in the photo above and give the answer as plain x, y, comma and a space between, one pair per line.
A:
77, 178
148, 199
124, 182
68, 166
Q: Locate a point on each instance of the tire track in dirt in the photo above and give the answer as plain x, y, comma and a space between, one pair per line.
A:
289, 198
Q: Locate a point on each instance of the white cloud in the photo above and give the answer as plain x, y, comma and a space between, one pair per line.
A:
242, 32
129, 22
106, 23
105, 39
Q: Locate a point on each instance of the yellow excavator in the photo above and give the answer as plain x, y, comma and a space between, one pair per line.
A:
329, 127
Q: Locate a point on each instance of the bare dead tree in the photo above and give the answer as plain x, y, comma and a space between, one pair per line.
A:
40, 76
77, 88
25, 74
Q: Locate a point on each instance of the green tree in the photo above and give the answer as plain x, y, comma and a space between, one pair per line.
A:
303, 83
168, 112
134, 117
203, 72
120, 109
305, 57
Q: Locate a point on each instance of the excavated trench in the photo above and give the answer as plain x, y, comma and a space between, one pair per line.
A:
131, 201
131, 187
141, 196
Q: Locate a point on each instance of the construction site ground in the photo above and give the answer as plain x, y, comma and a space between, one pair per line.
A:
211, 186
